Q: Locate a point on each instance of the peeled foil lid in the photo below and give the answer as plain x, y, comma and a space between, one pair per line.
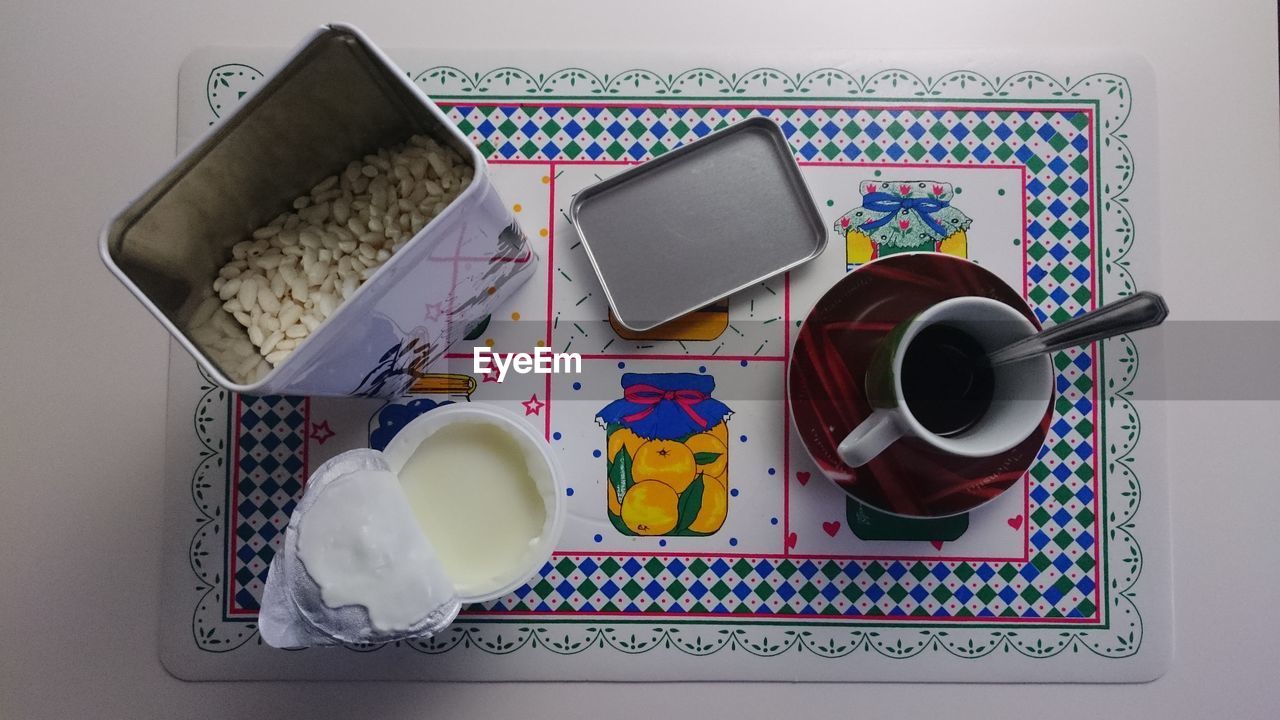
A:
294, 613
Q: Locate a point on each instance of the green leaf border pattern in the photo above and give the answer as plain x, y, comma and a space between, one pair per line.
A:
208, 542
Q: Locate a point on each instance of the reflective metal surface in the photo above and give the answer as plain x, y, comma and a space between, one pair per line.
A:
336, 99
698, 224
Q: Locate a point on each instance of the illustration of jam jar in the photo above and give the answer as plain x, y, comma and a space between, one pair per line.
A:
667, 455
903, 216
705, 323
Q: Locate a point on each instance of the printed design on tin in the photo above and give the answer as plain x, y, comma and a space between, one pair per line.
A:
899, 216
667, 462
401, 365
1057, 193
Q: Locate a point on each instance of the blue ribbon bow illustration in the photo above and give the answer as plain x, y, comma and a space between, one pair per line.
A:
893, 204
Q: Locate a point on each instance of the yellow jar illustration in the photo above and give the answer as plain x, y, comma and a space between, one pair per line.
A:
455, 384
903, 216
706, 323
667, 455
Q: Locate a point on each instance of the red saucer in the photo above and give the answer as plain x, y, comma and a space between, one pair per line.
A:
829, 364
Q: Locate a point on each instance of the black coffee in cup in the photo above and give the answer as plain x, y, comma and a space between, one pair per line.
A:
946, 380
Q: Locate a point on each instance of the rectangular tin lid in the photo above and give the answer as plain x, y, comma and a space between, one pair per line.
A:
698, 224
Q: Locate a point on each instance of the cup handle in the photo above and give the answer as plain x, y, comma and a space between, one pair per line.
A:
869, 439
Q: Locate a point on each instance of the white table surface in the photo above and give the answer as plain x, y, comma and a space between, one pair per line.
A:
87, 105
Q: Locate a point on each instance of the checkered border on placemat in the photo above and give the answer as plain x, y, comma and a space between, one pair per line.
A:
1052, 144
1060, 580
267, 478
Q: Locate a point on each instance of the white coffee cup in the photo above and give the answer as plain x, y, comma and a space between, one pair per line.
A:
1021, 391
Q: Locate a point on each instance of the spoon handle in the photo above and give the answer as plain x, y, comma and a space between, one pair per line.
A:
1138, 311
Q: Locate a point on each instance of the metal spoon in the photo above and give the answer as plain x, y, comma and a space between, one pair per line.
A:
1138, 311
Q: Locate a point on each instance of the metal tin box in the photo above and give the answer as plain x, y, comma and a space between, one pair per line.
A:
336, 99
698, 224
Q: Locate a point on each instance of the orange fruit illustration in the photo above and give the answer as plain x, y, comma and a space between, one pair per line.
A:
623, 437
708, 444
650, 508
715, 505
721, 432
666, 461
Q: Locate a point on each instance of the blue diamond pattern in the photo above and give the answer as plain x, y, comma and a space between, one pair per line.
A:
275, 455
271, 428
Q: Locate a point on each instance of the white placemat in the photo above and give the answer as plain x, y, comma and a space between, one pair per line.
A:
1063, 578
